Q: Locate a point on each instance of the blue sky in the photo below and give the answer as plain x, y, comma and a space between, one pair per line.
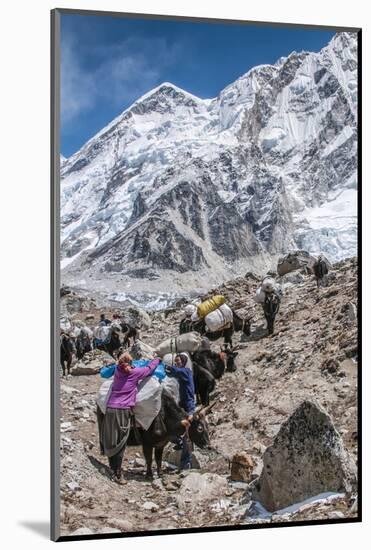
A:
107, 63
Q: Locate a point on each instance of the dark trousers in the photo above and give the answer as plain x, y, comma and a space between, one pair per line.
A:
115, 462
186, 456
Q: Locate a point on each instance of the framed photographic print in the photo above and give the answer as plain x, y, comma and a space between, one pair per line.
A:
205, 276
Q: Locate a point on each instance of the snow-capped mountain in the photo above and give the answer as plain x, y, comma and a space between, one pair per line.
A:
203, 189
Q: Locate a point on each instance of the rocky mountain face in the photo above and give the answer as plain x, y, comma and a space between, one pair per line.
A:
283, 426
191, 190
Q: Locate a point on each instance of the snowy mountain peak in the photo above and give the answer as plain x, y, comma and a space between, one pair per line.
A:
207, 188
164, 98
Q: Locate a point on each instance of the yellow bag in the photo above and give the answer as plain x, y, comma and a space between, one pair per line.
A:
210, 305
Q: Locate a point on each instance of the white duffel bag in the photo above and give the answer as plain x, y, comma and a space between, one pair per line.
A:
171, 385
268, 285
219, 318
103, 394
194, 316
102, 333
259, 297
190, 341
148, 403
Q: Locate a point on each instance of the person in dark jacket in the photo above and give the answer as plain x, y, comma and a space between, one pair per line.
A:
103, 321
320, 271
184, 376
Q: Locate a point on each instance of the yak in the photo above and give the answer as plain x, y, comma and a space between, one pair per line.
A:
204, 383
67, 351
169, 424
237, 325
129, 332
216, 363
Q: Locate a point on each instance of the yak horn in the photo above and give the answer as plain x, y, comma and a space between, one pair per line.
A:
207, 409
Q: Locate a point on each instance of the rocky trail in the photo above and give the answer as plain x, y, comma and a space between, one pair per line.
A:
311, 359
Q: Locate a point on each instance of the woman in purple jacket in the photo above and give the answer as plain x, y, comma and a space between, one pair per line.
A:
114, 427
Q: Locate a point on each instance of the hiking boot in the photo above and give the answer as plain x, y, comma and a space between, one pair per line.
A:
120, 480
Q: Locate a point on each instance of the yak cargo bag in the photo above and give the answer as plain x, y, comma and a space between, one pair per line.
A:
219, 318
148, 403
259, 297
210, 305
190, 341
268, 285
102, 333
171, 385
104, 393
159, 371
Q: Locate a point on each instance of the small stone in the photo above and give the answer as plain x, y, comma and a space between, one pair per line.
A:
121, 524
74, 486
82, 531
242, 467
157, 484
150, 506
336, 515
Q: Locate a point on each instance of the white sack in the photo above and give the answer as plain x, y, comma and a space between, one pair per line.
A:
218, 318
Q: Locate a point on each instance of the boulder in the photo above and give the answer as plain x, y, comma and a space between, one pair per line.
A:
140, 350
73, 303
242, 467
294, 260
173, 457
122, 524
136, 317
91, 363
200, 488
292, 278
307, 458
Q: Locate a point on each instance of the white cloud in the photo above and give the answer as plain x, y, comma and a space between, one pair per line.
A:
78, 91
120, 73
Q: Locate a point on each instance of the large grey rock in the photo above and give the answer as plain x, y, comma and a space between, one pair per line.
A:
306, 458
173, 457
73, 303
121, 524
294, 260
140, 350
136, 317
91, 363
292, 278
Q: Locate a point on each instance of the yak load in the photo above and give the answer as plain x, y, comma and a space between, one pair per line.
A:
215, 319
